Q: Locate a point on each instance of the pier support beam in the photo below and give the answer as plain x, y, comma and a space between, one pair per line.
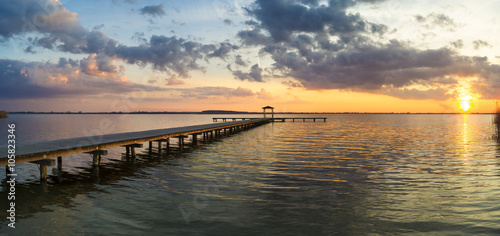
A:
96, 156
167, 148
181, 142
160, 145
131, 149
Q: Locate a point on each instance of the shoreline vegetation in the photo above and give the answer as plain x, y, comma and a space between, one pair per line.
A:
224, 112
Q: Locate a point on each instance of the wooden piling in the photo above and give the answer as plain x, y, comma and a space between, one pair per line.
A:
96, 156
181, 142
195, 139
59, 164
42, 166
131, 149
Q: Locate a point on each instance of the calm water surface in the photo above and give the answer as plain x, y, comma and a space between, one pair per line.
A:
352, 175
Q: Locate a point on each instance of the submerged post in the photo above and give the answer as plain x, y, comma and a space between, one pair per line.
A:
181, 142
195, 139
96, 156
42, 166
150, 147
131, 149
59, 164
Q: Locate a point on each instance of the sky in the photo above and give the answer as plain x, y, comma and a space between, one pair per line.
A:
294, 55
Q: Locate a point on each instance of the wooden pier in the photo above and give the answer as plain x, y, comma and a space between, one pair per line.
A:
42, 152
224, 119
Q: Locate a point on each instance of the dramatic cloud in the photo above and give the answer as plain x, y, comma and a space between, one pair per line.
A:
283, 17
223, 50
100, 66
255, 74
155, 10
325, 47
63, 79
60, 30
48, 17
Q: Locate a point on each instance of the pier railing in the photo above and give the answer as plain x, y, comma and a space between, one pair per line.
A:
224, 119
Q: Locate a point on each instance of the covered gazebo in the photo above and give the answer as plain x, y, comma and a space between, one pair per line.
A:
268, 107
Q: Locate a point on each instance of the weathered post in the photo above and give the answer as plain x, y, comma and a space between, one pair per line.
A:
131, 149
96, 156
195, 139
42, 166
59, 164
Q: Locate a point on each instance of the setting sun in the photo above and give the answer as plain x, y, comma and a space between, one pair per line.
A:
465, 101
465, 97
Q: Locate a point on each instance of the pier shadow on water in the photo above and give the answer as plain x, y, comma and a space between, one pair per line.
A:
35, 196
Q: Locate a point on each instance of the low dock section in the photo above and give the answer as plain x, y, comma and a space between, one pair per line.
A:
42, 152
304, 119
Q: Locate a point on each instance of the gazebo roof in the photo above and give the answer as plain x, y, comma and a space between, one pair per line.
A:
268, 107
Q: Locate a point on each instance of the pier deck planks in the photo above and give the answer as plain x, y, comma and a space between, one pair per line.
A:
27, 152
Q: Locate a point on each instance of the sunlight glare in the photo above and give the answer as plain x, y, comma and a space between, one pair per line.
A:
465, 97
465, 101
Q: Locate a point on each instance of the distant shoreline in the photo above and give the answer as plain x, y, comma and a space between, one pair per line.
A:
240, 113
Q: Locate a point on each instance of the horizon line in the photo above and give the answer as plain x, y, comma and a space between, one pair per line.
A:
223, 112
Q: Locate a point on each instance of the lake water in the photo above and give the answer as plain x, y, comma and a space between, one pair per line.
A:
355, 174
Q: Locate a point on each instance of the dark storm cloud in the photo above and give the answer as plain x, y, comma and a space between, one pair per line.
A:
154, 10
